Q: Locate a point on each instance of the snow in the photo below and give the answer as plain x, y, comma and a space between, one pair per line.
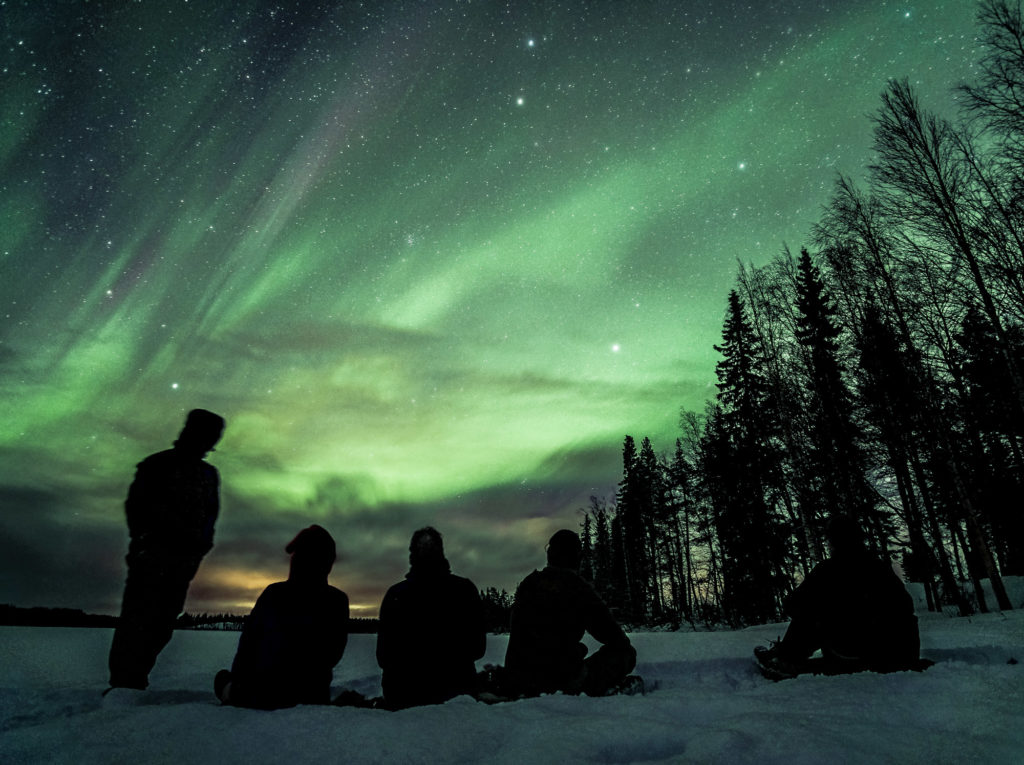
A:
710, 706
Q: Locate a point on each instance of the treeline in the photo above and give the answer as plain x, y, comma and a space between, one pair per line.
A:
235, 622
15, 616
204, 621
881, 378
497, 606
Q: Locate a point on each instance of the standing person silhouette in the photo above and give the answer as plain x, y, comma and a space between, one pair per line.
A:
431, 629
171, 509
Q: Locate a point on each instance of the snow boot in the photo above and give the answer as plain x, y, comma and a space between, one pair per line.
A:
773, 666
632, 685
222, 685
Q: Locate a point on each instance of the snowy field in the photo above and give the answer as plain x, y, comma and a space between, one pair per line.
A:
709, 706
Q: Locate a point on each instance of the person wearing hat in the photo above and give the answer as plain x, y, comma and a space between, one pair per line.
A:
431, 630
295, 635
552, 609
171, 509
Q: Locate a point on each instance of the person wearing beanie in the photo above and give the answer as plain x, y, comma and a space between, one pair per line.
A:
853, 607
171, 509
431, 630
552, 609
295, 635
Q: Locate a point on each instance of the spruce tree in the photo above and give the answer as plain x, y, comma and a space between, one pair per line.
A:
742, 457
837, 459
632, 510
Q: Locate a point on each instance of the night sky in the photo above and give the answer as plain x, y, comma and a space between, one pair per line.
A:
430, 260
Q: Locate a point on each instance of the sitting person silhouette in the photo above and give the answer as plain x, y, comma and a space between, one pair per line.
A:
296, 633
431, 630
853, 607
552, 610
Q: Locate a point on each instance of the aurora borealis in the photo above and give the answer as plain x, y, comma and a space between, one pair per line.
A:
430, 260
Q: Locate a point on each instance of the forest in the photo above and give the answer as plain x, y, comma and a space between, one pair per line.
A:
877, 374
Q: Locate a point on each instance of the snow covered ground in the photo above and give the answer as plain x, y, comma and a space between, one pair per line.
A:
710, 706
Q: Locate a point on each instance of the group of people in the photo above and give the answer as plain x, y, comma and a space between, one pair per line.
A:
431, 626
431, 629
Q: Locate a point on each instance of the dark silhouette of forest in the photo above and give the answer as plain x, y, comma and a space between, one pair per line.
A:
39, 616
880, 378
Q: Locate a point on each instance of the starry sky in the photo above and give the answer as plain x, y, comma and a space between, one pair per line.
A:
431, 260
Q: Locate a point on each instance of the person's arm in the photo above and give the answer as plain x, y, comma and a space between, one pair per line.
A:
340, 636
385, 650
600, 622
138, 504
211, 509
476, 633
811, 592
247, 657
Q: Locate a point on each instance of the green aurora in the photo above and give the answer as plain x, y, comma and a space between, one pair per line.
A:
432, 261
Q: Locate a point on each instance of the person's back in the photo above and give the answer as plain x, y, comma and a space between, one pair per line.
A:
296, 633
431, 630
172, 506
853, 607
553, 608
862, 607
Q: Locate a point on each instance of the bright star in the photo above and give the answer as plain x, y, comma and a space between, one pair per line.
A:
519, 101
616, 348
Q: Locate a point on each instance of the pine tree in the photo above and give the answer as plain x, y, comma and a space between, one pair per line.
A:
632, 510
603, 581
997, 472
742, 457
837, 460
587, 551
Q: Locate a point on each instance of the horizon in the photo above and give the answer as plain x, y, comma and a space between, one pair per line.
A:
430, 266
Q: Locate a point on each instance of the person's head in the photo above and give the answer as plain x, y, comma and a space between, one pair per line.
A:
564, 550
202, 431
426, 547
313, 553
845, 536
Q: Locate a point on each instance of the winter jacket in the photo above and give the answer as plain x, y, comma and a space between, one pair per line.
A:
172, 506
861, 606
296, 633
552, 610
431, 632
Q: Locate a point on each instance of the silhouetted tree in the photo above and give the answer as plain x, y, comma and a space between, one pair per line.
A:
838, 462
742, 455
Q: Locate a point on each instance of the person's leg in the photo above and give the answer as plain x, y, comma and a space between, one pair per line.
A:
803, 637
128, 663
897, 648
607, 668
222, 686
151, 604
788, 658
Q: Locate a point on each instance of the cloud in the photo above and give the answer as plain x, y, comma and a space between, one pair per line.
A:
494, 535
54, 556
